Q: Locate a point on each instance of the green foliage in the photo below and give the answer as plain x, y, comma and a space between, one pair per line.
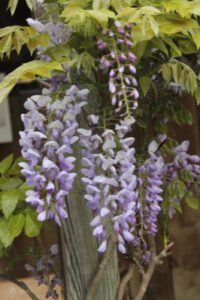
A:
15, 214
6, 164
27, 72
176, 189
32, 226
14, 37
192, 201
184, 8
181, 74
9, 202
12, 5
83, 61
172, 27
86, 21
197, 95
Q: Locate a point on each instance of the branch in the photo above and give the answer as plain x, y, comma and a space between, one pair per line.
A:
156, 259
20, 284
127, 277
100, 270
40, 81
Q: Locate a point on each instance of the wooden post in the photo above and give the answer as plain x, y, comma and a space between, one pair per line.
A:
80, 257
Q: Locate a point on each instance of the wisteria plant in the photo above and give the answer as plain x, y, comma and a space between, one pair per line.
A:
111, 75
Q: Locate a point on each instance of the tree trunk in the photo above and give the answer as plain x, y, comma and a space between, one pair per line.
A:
80, 257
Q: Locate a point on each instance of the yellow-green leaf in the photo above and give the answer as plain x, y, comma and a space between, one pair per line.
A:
9, 202
150, 10
196, 37
26, 72
101, 16
166, 72
30, 4
100, 4
32, 225
16, 224
145, 84
197, 95
192, 201
5, 164
171, 24
159, 44
154, 25
5, 237
12, 5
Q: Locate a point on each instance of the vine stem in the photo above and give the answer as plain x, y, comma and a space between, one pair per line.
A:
102, 267
20, 284
156, 259
125, 280
122, 81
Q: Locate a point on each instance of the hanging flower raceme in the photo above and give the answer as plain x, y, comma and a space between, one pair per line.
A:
111, 185
150, 207
119, 63
186, 167
126, 194
49, 134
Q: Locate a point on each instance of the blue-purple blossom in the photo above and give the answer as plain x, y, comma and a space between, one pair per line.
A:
47, 141
119, 64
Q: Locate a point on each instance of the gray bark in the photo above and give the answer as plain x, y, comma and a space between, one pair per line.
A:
80, 257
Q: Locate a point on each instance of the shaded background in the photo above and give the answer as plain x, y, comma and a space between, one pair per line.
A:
179, 277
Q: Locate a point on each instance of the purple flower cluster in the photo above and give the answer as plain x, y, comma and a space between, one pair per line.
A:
47, 140
120, 64
108, 166
58, 32
125, 195
46, 272
153, 168
182, 161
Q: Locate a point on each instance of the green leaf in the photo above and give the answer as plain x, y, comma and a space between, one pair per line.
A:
171, 24
27, 71
15, 168
196, 37
100, 4
145, 83
117, 5
12, 5
6, 164
150, 10
16, 224
142, 32
32, 225
177, 206
158, 43
5, 237
101, 16
9, 202
186, 175
10, 183
154, 25
30, 4
139, 49
197, 95
184, 8
192, 201
84, 61
176, 189
179, 188
5, 44
174, 48
166, 72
